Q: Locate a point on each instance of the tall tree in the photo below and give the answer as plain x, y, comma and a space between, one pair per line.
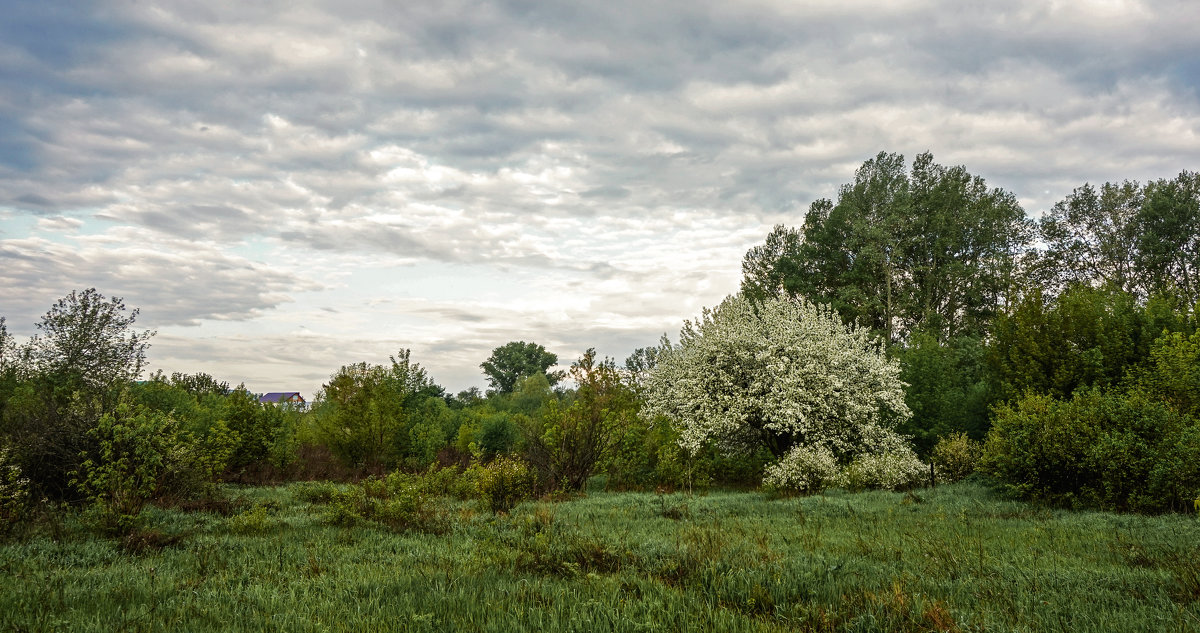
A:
935, 250
1169, 236
1142, 239
569, 441
1092, 237
515, 360
85, 352
88, 340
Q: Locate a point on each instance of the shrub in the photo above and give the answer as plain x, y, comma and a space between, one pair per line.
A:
396, 501
261, 519
897, 469
804, 469
316, 491
955, 456
1112, 450
14, 491
138, 450
505, 482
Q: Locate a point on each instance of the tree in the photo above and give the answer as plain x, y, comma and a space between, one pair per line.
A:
1142, 239
1169, 236
784, 373
568, 442
88, 341
8, 354
515, 360
933, 250
946, 388
369, 415
1083, 337
1091, 238
84, 355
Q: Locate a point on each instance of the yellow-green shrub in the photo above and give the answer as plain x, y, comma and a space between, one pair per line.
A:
955, 456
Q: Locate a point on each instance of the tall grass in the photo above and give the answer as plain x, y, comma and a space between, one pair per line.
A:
951, 559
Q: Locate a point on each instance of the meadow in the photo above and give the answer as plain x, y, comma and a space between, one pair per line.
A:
952, 558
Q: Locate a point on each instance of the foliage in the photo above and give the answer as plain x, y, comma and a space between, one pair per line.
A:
779, 374
199, 384
515, 360
86, 340
946, 388
14, 491
805, 469
934, 249
260, 519
955, 456
398, 502
1142, 239
893, 468
504, 482
370, 415
1174, 372
1084, 337
138, 453
1118, 450
567, 443
70, 374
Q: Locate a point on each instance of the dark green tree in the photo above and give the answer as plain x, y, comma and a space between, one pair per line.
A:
1092, 238
1142, 239
947, 389
515, 360
1169, 236
374, 415
1083, 337
934, 250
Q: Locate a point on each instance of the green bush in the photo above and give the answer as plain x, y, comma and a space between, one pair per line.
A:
316, 491
397, 502
504, 482
955, 456
1118, 450
260, 519
14, 491
138, 451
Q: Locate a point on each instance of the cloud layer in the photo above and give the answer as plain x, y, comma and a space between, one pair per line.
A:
286, 188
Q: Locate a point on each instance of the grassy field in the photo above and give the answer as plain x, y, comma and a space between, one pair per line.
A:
955, 558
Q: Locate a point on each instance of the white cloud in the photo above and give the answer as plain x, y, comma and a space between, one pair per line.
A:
287, 188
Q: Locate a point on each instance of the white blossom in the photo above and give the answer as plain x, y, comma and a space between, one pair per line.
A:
783, 371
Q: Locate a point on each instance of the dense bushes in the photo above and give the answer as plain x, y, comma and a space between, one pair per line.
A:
1126, 436
1115, 450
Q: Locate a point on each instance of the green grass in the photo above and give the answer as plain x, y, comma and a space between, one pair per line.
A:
954, 558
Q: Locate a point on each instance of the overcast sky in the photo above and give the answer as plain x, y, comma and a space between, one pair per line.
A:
286, 187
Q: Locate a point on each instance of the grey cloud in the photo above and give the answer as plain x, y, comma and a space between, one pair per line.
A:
563, 140
179, 288
35, 200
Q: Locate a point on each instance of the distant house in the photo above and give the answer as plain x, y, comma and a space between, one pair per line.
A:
283, 397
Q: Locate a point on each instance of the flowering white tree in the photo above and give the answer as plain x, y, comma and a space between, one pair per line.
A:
783, 373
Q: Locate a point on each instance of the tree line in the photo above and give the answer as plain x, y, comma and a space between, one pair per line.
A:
920, 317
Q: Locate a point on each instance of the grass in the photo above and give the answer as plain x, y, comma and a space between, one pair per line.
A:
955, 558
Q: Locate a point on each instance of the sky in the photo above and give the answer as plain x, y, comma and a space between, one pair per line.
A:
283, 188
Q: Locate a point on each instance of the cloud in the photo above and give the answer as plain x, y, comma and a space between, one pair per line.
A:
579, 173
184, 285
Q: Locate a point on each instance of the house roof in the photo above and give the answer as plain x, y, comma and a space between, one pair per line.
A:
281, 396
